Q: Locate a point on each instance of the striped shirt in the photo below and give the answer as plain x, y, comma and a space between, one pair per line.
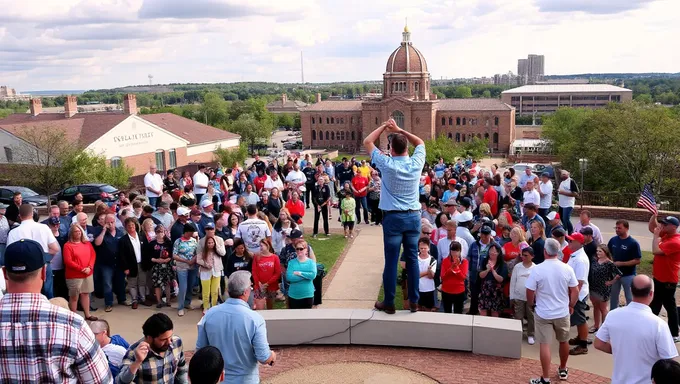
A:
43, 343
400, 179
170, 368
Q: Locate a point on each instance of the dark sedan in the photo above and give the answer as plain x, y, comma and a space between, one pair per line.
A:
28, 195
90, 192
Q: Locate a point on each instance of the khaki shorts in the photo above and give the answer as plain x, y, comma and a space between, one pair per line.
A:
78, 286
545, 329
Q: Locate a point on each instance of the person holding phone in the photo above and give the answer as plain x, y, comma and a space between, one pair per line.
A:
454, 272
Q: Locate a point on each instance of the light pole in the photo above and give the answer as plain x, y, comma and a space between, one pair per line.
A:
583, 164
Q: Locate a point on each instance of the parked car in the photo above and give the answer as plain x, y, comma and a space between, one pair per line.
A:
520, 167
292, 134
29, 196
91, 193
540, 168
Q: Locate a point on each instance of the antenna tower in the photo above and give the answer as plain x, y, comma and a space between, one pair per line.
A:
150, 79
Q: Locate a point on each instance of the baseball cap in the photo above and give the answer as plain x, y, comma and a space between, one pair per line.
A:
24, 256
670, 220
206, 203
464, 217
295, 234
552, 215
586, 231
451, 202
558, 232
209, 225
53, 221
577, 236
466, 202
3, 206
182, 211
545, 174
486, 230
452, 181
189, 227
195, 212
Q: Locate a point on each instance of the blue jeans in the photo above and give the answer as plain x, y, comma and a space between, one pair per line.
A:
47, 285
2, 254
361, 202
153, 201
401, 228
185, 280
112, 279
565, 215
626, 282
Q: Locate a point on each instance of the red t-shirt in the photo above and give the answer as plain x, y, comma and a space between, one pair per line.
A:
296, 208
491, 198
359, 182
566, 252
453, 281
510, 251
267, 269
259, 182
666, 267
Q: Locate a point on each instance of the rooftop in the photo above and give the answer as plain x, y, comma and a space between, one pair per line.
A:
567, 88
472, 105
335, 106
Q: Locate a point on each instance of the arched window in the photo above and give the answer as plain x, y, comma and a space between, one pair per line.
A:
479, 135
346, 135
457, 137
327, 136
443, 120
160, 160
398, 117
450, 120
495, 138
457, 120
332, 135
486, 136
353, 137
313, 122
417, 85
351, 120
332, 120
464, 121
115, 161
313, 135
328, 120
495, 121
376, 120
463, 138
450, 135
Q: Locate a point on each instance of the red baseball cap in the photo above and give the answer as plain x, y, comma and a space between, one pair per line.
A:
577, 236
452, 181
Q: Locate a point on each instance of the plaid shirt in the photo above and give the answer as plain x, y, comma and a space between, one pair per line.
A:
171, 368
43, 343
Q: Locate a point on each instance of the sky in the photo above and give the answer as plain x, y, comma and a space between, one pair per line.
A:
73, 44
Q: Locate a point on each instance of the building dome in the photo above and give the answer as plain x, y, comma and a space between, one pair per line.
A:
406, 58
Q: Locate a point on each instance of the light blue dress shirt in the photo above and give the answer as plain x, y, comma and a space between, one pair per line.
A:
400, 179
241, 336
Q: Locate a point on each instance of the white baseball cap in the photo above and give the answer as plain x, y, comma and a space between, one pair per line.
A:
464, 217
182, 211
206, 203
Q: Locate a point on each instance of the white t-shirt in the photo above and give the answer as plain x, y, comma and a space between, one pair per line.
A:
426, 284
137, 246
443, 248
638, 339
580, 263
532, 196
566, 201
252, 231
154, 181
29, 229
115, 353
518, 281
546, 190
269, 183
200, 178
551, 281
296, 177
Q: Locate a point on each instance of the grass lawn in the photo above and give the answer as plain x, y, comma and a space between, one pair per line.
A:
398, 298
349, 156
327, 251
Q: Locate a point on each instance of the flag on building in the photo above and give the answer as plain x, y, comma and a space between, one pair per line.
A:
647, 199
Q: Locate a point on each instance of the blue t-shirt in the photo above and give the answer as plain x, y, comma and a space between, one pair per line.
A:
625, 250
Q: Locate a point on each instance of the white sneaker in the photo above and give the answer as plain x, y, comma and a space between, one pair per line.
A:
676, 339
180, 313
531, 340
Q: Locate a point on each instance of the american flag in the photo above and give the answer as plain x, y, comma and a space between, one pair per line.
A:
647, 199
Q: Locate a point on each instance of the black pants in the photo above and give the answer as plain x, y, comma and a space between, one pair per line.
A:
300, 303
59, 288
474, 296
318, 289
376, 213
455, 300
664, 295
543, 212
317, 215
308, 193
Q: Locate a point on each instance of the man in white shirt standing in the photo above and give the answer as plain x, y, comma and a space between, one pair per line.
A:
200, 183
531, 195
635, 337
153, 182
526, 176
273, 181
553, 289
253, 230
584, 221
545, 190
296, 178
580, 263
443, 244
567, 192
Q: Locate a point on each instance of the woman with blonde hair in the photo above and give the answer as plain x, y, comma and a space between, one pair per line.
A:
210, 272
262, 216
79, 258
283, 227
537, 240
485, 211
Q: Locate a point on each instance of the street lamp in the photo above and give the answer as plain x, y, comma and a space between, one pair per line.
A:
583, 165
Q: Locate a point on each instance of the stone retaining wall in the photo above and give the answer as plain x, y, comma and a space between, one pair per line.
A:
630, 214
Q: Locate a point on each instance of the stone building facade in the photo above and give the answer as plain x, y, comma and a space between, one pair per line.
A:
407, 98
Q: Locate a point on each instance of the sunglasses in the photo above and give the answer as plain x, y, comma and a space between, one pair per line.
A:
299, 249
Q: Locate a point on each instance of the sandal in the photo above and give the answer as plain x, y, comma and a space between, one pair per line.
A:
92, 318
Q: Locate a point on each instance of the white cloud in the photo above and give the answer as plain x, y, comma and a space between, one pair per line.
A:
82, 44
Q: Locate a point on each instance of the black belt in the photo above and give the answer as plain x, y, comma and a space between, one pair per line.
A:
406, 211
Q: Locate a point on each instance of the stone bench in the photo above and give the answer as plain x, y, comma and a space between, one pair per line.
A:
480, 335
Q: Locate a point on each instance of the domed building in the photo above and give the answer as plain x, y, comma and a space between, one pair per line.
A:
406, 97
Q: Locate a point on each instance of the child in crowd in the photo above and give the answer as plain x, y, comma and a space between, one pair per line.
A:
428, 266
518, 291
207, 366
348, 206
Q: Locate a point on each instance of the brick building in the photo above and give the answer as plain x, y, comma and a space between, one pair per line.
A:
407, 98
164, 139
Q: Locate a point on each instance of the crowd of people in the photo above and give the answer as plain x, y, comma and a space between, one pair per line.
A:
461, 233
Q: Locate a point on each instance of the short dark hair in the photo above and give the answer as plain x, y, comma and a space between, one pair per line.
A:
623, 222
399, 143
666, 371
132, 220
26, 210
174, 206
77, 202
147, 209
202, 166
586, 212
424, 240
217, 216
455, 246
643, 291
251, 209
206, 366
156, 325
16, 193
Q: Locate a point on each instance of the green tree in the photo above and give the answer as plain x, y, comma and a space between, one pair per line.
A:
214, 110
462, 92
443, 147
644, 98
252, 131
475, 148
88, 167
668, 98
285, 120
229, 157
486, 94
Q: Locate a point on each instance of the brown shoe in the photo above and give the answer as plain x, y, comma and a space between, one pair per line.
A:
413, 307
380, 306
574, 341
135, 305
578, 351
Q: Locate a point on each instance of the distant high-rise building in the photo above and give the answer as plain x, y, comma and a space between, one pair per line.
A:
505, 79
531, 69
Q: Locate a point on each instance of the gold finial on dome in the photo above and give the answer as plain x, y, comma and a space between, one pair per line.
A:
406, 34
406, 26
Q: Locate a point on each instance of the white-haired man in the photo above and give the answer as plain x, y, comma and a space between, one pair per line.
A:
567, 192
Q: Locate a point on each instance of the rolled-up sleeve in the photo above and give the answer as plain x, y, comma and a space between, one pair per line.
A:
260, 343
378, 158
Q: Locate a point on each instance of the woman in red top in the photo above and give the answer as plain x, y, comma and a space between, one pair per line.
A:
512, 251
296, 207
259, 181
79, 260
453, 275
266, 274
